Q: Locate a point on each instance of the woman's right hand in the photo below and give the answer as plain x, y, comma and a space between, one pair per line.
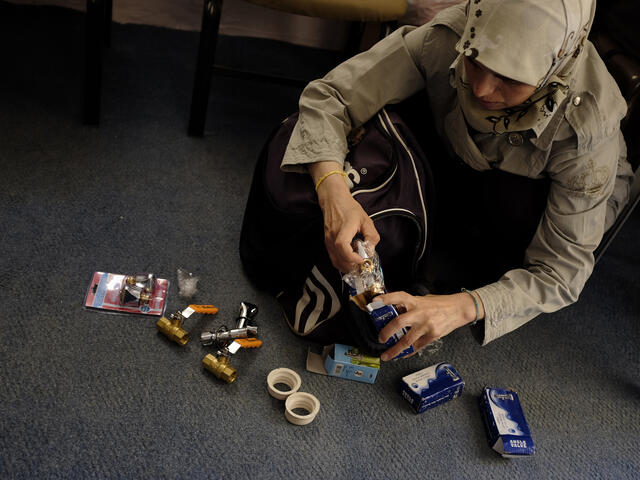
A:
344, 218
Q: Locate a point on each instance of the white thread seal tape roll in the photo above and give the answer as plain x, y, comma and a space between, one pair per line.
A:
286, 376
302, 400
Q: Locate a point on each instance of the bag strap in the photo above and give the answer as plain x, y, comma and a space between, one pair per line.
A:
390, 127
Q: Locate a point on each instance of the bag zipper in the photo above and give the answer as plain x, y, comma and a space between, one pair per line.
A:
415, 172
382, 125
389, 128
403, 212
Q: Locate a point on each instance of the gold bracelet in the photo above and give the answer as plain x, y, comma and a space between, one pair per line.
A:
332, 172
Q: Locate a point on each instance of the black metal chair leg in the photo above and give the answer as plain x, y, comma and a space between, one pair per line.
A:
204, 66
108, 17
93, 61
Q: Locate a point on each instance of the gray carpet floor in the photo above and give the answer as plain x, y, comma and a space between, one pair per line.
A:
90, 395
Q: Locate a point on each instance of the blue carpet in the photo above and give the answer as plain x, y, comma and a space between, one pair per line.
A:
90, 395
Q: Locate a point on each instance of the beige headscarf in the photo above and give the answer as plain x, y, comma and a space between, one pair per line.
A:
535, 42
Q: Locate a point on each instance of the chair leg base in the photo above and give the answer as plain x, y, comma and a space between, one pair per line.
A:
204, 66
95, 20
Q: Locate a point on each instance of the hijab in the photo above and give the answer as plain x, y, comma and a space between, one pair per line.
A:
531, 41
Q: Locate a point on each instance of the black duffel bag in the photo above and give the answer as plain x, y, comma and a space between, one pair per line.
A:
282, 239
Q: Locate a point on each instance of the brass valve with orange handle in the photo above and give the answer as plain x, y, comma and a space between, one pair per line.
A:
218, 364
229, 342
172, 327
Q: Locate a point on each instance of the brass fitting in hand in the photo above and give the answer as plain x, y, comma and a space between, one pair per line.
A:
375, 289
172, 328
364, 298
220, 367
366, 266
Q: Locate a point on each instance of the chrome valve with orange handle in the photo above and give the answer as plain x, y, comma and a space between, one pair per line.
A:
229, 342
248, 312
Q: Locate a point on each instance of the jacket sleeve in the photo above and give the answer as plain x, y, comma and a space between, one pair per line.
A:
351, 94
559, 259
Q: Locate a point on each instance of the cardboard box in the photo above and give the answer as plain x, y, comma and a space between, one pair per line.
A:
344, 361
507, 430
382, 314
431, 386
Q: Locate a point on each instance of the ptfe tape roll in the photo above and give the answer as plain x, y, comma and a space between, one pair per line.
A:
286, 376
302, 400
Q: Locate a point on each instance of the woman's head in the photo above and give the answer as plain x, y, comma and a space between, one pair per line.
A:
526, 41
516, 59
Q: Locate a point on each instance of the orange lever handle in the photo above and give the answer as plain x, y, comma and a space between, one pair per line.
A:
249, 342
210, 309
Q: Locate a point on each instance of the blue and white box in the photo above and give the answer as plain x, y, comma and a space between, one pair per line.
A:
431, 386
381, 314
507, 430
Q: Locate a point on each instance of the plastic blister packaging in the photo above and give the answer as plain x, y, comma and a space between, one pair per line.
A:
142, 293
366, 280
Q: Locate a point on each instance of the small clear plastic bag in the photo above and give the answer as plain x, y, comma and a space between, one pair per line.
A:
187, 283
366, 280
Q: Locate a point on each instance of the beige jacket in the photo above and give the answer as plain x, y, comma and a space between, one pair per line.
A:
581, 150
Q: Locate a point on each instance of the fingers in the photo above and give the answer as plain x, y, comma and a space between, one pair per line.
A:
369, 232
424, 341
395, 326
411, 335
343, 257
407, 341
340, 234
396, 349
401, 321
398, 298
340, 250
418, 331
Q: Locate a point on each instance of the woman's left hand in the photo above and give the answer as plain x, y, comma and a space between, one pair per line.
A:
426, 318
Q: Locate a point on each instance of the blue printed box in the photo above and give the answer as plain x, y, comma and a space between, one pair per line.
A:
344, 361
507, 430
382, 314
431, 386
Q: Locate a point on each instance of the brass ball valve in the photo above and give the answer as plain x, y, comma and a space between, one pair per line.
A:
218, 364
172, 327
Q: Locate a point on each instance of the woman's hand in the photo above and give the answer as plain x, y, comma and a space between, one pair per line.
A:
427, 318
344, 218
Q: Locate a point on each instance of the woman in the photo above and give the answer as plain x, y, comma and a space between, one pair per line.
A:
514, 87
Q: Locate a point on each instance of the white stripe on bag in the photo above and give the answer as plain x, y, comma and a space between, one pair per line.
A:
317, 310
335, 303
415, 172
321, 293
301, 305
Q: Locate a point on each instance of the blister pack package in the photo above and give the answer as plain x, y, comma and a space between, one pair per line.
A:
142, 293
